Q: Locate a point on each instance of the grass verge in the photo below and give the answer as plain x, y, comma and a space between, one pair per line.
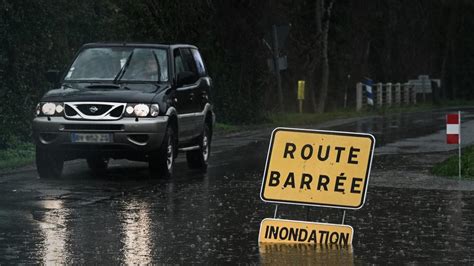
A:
293, 119
450, 167
226, 128
19, 154
290, 119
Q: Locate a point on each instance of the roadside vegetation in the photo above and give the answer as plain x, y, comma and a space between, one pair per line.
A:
16, 155
449, 167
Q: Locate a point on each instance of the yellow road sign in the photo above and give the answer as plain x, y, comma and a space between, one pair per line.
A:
317, 168
289, 231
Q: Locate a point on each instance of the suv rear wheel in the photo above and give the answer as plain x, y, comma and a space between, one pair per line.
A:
161, 163
48, 163
198, 159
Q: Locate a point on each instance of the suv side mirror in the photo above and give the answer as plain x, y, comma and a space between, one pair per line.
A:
185, 78
53, 76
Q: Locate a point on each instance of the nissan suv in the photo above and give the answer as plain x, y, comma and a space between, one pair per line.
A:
142, 102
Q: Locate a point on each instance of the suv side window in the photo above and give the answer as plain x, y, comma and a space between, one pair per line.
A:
201, 69
189, 60
179, 65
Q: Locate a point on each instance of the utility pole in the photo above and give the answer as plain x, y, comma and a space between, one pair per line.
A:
276, 66
347, 87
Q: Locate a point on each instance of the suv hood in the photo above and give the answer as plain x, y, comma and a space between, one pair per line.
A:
80, 93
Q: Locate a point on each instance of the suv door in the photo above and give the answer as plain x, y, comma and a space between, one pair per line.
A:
200, 89
196, 87
202, 92
185, 105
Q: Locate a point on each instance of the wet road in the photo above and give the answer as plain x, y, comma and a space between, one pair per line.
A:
213, 218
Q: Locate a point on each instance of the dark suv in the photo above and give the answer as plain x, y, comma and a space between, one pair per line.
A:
142, 102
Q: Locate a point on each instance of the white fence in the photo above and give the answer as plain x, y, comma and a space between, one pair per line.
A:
386, 94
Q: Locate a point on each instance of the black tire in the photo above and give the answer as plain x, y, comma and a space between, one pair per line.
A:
97, 164
49, 163
161, 163
198, 159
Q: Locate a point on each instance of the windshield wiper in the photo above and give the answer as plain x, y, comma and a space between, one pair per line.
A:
123, 69
157, 65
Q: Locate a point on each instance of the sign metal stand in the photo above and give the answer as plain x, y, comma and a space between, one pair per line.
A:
459, 143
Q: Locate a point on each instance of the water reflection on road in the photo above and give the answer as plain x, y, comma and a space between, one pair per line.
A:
188, 222
54, 231
137, 232
299, 254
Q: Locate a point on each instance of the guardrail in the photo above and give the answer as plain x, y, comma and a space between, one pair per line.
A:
385, 94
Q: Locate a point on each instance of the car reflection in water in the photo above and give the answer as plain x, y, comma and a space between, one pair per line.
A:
137, 242
53, 227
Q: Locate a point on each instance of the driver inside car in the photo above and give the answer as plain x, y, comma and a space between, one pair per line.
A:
142, 67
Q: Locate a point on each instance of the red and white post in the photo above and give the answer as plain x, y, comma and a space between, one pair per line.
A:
453, 133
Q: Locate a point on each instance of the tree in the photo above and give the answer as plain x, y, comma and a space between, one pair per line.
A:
323, 18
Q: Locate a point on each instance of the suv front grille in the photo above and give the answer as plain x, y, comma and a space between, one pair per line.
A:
117, 112
94, 110
69, 111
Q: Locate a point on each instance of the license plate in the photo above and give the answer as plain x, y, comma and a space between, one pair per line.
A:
91, 138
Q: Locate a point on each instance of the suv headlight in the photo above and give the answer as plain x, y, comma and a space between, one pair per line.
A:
154, 110
49, 109
142, 110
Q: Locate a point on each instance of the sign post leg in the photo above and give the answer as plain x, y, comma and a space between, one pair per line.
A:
276, 210
459, 143
343, 216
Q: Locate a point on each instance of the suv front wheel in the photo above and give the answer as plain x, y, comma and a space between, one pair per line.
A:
161, 163
48, 163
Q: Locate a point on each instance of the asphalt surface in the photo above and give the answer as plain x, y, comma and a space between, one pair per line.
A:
213, 218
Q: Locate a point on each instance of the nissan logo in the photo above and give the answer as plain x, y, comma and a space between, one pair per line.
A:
93, 109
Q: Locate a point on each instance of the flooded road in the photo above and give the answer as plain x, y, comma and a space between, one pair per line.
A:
213, 218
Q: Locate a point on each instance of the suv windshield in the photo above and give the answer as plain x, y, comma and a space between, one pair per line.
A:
110, 64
